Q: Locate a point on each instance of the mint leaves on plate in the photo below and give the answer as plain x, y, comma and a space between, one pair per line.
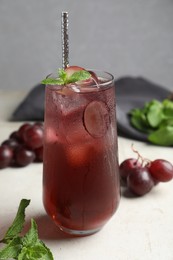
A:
27, 247
63, 78
156, 120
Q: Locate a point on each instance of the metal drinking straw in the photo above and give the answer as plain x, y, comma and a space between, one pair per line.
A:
65, 39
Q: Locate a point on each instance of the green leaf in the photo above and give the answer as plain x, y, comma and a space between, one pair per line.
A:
139, 121
63, 78
166, 122
31, 237
28, 247
79, 76
155, 119
34, 247
154, 113
163, 136
51, 81
18, 222
38, 251
48, 255
34, 252
62, 75
23, 254
168, 108
12, 249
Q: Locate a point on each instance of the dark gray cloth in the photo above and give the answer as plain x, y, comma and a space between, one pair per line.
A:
32, 107
131, 92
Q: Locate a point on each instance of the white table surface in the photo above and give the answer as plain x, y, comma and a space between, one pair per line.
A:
142, 228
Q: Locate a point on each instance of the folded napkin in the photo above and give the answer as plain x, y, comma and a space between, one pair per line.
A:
131, 92
32, 107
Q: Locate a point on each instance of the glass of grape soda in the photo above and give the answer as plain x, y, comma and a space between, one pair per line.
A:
81, 188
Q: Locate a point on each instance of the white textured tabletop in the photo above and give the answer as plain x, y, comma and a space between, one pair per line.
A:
142, 228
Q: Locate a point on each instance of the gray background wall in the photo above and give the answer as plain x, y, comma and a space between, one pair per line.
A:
124, 37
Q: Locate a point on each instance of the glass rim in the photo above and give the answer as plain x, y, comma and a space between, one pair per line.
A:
107, 77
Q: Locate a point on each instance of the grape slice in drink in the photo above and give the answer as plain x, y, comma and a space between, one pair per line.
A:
96, 118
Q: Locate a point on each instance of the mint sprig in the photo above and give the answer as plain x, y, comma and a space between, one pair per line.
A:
28, 247
63, 78
17, 225
155, 119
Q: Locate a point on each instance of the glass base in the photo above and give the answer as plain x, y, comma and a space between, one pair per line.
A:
79, 233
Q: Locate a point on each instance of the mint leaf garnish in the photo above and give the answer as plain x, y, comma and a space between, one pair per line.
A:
28, 247
79, 76
51, 81
62, 75
63, 78
18, 222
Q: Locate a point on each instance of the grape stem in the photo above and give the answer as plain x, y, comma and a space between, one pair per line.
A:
143, 160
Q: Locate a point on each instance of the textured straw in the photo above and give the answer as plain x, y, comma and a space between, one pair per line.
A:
65, 39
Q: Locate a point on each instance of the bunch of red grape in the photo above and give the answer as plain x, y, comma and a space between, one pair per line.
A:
141, 175
23, 146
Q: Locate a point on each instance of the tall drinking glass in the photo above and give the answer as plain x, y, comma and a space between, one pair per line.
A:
81, 189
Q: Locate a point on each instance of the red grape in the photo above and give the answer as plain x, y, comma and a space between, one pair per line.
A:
22, 130
24, 156
23, 146
6, 155
140, 177
33, 137
127, 166
15, 135
12, 143
161, 170
139, 181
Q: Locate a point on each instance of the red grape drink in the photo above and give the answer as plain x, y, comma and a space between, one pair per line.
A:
81, 189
